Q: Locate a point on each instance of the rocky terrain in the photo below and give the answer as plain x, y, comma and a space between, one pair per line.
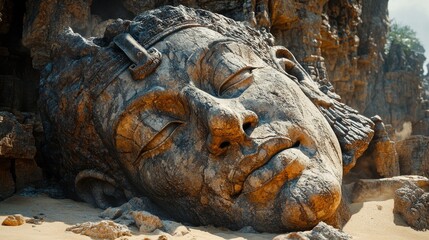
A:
340, 43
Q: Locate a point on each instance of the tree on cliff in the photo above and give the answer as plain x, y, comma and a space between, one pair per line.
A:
405, 36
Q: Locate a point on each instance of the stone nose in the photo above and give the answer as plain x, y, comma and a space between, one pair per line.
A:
227, 127
228, 123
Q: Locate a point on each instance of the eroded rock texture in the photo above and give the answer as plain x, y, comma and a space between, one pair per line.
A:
101, 230
413, 155
321, 231
340, 43
412, 203
204, 116
380, 159
384, 188
13, 220
17, 150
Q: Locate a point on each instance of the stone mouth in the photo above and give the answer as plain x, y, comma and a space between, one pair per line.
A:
273, 157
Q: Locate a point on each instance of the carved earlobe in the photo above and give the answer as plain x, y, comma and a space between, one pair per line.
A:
354, 131
98, 189
286, 60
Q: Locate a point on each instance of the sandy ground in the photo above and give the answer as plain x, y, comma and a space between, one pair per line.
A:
370, 220
375, 220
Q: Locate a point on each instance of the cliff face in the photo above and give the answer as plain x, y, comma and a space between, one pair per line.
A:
403, 94
340, 43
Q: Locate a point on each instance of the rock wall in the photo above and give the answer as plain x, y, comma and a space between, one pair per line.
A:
340, 43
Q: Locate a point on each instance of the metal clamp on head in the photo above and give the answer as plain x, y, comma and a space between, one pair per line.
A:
145, 62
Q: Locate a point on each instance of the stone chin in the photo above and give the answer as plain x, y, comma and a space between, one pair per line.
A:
300, 204
309, 202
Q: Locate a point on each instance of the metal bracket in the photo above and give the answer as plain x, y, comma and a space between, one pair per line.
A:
144, 62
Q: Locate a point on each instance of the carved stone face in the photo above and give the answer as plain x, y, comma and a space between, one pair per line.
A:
217, 136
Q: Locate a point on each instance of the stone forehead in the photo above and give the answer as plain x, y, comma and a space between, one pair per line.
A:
152, 26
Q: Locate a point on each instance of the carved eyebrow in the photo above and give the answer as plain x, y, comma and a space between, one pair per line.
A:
145, 101
212, 45
211, 49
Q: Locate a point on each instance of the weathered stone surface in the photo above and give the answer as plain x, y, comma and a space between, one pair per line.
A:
413, 155
46, 18
340, 43
412, 203
177, 229
27, 172
7, 186
232, 133
36, 220
123, 213
14, 220
384, 188
403, 92
16, 140
321, 231
101, 230
146, 222
381, 158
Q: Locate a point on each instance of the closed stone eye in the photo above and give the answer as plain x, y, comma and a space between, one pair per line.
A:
238, 81
161, 137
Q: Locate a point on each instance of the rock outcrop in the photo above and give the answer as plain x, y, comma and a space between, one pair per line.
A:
403, 99
17, 150
380, 159
384, 188
340, 43
412, 203
413, 155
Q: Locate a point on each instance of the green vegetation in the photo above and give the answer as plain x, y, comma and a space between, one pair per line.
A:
405, 36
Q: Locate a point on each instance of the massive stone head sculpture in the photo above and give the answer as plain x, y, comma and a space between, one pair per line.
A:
203, 116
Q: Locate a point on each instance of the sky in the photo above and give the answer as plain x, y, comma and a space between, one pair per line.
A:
414, 13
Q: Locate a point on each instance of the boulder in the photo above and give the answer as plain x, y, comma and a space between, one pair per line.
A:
178, 230
146, 222
412, 203
380, 159
384, 188
16, 139
320, 231
14, 220
413, 154
105, 229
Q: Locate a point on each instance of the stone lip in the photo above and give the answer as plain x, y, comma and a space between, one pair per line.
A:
286, 165
253, 162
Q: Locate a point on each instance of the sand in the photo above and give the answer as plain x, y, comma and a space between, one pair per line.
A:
370, 220
375, 220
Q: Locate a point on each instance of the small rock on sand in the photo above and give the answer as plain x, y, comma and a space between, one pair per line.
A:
14, 220
320, 231
105, 229
146, 221
175, 228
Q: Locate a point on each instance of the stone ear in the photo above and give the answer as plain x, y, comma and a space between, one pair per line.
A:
98, 189
354, 131
286, 61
